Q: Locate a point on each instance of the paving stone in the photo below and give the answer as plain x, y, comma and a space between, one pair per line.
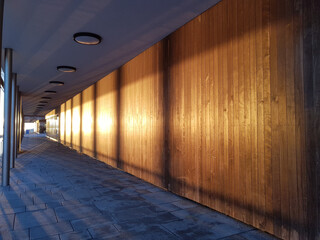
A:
70, 202
71, 212
154, 233
53, 204
118, 204
133, 213
15, 235
167, 207
84, 235
160, 197
189, 230
48, 198
53, 237
50, 229
256, 235
7, 209
10, 195
33, 219
14, 203
6, 221
57, 193
37, 207
85, 223
183, 203
103, 230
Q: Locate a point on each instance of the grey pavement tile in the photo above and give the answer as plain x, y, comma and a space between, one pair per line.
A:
27, 200
33, 219
167, 207
53, 237
189, 230
15, 235
53, 204
71, 212
57, 193
7, 209
70, 202
154, 233
6, 222
184, 204
84, 235
85, 223
103, 230
22, 187
50, 229
195, 212
10, 195
133, 213
257, 235
160, 197
137, 229
118, 204
79, 193
47, 198
14, 203
37, 207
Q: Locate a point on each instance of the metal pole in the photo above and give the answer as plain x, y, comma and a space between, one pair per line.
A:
7, 117
13, 119
16, 122
20, 122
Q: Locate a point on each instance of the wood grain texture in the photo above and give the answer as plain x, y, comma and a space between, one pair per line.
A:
107, 119
68, 123
224, 111
62, 122
52, 124
76, 117
141, 111
87, 120
258, 165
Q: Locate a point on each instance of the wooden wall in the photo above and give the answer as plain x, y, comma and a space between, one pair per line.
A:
107, 115
52, 124
87, 119
141, 116
76, 116
68, 131
224, 111
62, 122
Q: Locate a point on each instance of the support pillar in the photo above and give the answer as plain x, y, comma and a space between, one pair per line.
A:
16, 133
13, 120
20, 122
7, 117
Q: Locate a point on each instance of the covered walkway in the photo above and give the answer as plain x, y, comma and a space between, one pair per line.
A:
57, 193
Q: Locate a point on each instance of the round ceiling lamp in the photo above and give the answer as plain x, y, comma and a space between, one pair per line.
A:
57, 83
87, 38
66, 69
46, 98
50, 92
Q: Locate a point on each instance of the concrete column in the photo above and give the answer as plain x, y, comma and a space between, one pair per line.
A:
7, 117
16, 122
13, 120
20, 122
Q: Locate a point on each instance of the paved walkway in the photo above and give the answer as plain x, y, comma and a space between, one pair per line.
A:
56, 193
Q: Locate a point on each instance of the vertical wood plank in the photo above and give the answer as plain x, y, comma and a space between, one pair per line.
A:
224, 111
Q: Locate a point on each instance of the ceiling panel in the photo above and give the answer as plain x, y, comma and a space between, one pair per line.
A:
40, 34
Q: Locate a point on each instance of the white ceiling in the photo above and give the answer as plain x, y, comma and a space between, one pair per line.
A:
40, 34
